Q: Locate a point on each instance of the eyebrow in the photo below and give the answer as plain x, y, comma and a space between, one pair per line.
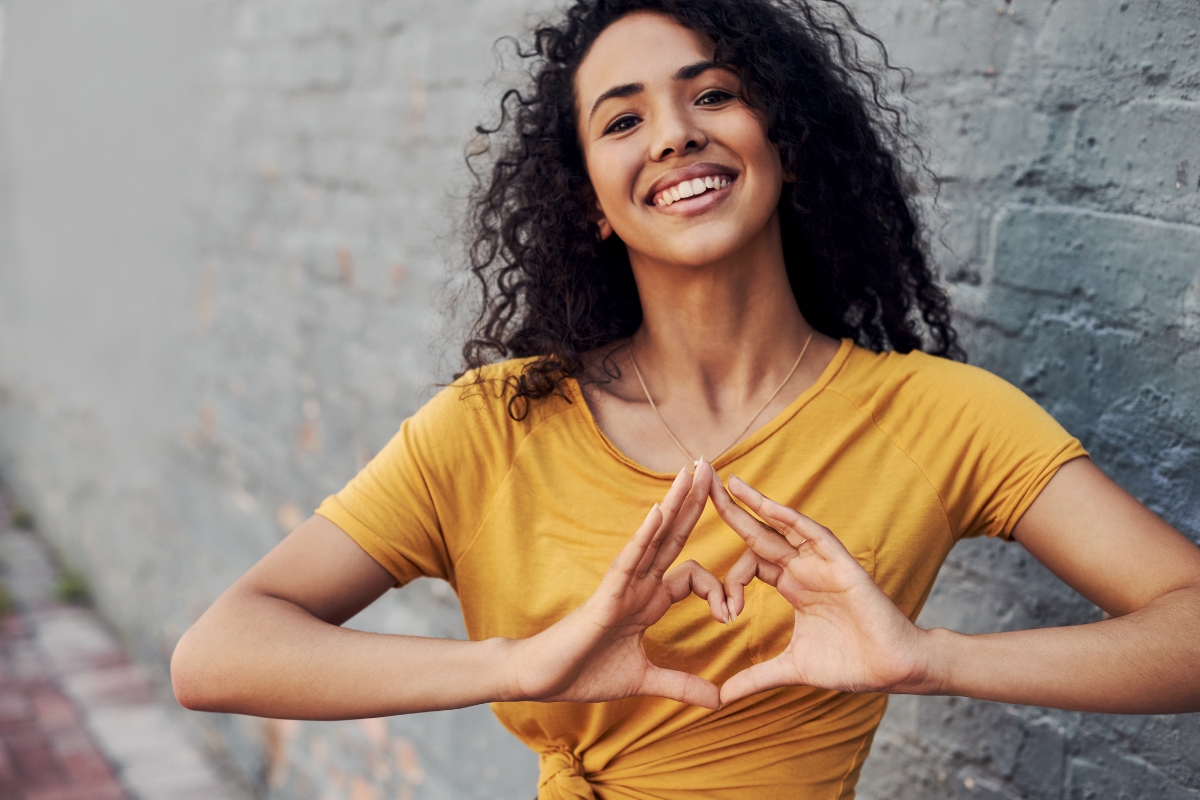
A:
630, 89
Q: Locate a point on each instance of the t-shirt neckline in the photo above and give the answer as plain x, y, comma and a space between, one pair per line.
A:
741, 448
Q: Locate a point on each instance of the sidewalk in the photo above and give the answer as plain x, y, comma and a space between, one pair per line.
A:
78, 720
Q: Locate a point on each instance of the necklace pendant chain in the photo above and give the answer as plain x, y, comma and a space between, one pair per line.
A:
738, 438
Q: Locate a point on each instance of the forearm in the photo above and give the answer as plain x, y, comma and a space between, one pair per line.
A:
1146, 662
267, 657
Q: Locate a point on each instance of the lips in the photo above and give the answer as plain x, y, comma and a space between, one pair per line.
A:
687, 182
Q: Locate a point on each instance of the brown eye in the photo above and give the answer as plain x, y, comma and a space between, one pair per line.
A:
714, 97
622, 124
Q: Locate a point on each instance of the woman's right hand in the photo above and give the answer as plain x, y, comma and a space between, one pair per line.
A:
595, 653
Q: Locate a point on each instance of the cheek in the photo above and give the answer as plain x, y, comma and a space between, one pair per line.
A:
611, 177
768, 171
748, 135
608, 192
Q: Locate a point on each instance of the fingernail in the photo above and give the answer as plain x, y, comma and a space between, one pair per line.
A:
733, 478
734, 617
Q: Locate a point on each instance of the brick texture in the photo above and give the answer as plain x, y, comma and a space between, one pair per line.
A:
45, 751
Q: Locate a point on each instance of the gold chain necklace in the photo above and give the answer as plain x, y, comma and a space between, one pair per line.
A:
738, 438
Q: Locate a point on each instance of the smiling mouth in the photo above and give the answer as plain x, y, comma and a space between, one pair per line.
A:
690, 188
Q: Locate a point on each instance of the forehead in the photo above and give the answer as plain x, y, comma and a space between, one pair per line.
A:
638, 48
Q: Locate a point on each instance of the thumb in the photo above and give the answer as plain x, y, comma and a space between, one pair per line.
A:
759, 678
682, 686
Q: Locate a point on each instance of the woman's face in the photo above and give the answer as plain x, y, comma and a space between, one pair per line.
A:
682, 170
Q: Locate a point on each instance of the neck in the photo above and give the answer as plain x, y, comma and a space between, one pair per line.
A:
723, 333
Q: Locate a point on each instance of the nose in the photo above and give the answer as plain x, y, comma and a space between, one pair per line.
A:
675, 133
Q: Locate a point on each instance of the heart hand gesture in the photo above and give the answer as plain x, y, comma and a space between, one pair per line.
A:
848, 635
595, 653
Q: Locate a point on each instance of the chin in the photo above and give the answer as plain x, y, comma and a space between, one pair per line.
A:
700, 242
702, 252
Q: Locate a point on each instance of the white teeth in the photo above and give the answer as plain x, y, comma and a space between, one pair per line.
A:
689, 189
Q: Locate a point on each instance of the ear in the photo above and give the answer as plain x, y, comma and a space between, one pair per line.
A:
597, 216
605, 228
789, 174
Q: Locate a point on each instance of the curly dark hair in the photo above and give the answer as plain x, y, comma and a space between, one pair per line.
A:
855, 251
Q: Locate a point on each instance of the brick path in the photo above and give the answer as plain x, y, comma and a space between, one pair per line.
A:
45, 752
78, 720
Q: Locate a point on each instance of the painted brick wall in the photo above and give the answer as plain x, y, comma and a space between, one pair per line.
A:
224, 231
1067, 145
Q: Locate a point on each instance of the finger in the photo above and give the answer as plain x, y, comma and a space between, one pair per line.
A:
681, 686
759, 678
690, 578
685, 521
788, 521
626, 563
670, 505
755, 500
762, 539
748, 567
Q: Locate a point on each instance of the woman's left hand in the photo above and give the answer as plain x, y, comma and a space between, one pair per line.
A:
848, 635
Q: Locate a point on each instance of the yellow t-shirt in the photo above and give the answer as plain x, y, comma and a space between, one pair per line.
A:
899, 455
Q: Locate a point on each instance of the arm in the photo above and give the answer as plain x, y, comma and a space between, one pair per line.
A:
1116, 553
271, 645
1102, 542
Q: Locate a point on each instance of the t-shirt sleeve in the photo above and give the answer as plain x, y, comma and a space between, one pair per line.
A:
388, 510
413, 504
986, 446
1010, 449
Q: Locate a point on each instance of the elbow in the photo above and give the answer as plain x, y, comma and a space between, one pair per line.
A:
189, 680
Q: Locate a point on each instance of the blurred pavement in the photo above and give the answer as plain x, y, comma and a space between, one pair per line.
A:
78, 721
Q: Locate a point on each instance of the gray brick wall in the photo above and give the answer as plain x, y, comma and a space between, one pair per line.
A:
225, 227
1067, 145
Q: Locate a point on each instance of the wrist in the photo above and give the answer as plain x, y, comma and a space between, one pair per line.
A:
931, 673
505, 658
936, 662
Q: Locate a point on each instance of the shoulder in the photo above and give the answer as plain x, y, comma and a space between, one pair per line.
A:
477, 406
907, 383
929, 406
985, 446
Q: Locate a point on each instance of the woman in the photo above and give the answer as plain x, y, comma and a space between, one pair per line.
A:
701, 249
